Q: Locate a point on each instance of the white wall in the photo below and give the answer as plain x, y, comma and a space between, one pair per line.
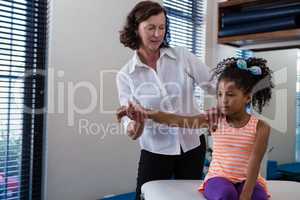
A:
84, 42
281, 112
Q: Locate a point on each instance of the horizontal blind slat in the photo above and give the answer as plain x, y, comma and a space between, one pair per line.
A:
187, 28
23, 25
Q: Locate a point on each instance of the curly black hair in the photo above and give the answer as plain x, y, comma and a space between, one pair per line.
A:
141, 12
258, 86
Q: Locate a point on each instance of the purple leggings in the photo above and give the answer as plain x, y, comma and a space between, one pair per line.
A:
220, 188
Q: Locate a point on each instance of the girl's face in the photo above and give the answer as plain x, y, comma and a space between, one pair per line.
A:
231, 99
152, 32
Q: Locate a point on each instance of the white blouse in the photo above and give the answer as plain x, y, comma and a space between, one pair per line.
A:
169, 89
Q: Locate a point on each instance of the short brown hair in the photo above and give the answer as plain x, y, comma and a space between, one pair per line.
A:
141, 12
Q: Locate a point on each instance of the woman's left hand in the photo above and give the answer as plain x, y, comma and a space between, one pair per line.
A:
134, 111
121, 112
213, 115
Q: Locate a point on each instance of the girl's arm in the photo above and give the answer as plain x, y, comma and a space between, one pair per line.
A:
174, 120
137, 111
260, 146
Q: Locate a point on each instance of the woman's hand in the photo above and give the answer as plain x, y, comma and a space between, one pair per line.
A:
135, 129
213, 116
121, 112
136, 113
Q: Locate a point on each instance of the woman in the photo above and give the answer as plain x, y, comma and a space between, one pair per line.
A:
159, 77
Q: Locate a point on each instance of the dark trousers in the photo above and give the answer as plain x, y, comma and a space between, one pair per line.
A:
188, 165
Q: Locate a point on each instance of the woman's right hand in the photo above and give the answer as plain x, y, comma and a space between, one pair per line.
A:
136, 113
135, 129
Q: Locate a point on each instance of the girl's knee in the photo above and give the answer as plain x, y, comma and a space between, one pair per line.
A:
229, 195
259, 193
224, 194
220, 189
260, 196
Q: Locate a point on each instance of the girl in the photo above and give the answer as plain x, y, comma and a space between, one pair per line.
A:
240, 141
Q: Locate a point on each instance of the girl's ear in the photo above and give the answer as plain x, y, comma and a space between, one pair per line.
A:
249, 99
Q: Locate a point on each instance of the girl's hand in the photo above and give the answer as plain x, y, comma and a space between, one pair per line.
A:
136, 112
245, 196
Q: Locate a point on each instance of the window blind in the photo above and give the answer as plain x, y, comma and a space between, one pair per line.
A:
187, 24
23, 25
187, 29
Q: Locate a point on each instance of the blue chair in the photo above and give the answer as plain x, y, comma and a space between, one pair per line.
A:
272, 171
290, 171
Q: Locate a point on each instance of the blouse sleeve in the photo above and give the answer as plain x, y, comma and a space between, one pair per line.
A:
199, 72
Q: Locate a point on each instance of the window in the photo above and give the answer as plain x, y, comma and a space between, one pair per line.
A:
298, 110
187, 24
187, 29
22, 57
